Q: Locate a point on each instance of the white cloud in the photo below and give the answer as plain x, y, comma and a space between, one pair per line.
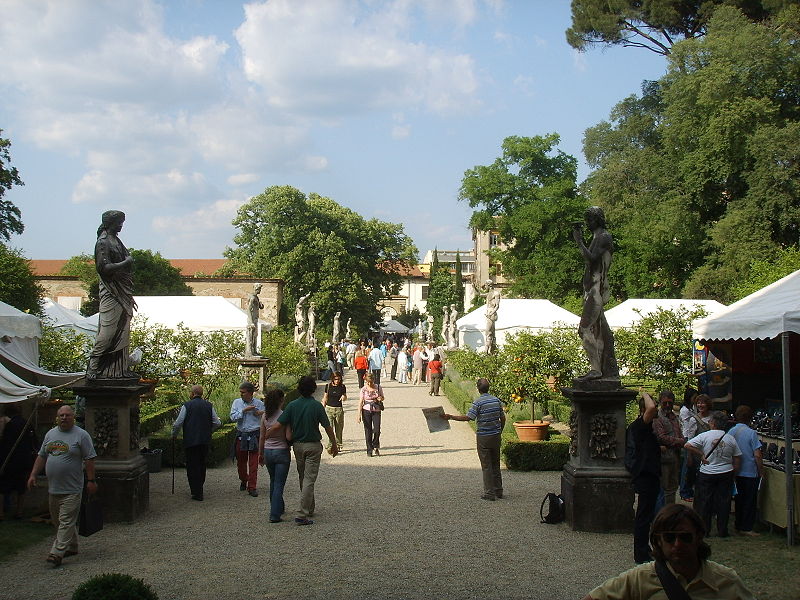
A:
208, 218
243, 178
525, 84
400, 132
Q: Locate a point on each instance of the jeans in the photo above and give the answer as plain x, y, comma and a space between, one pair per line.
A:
745, 502
688, 474
712, 496
376, 376
647, 487
277, 462
372, 428
308, 456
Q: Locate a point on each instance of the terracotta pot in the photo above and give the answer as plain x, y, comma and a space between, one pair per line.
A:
532, 431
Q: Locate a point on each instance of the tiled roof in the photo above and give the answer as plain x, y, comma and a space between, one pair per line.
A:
187, 266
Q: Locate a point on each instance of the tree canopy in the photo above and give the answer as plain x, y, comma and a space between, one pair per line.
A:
529, 194
315, 245
10, 215
18, 285
699, 174
655, 25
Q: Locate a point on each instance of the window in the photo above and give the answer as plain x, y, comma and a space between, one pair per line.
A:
424, 292
494, 239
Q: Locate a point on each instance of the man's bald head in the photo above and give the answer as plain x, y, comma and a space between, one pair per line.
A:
197, 391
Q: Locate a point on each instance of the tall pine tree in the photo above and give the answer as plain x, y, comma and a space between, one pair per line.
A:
458, 285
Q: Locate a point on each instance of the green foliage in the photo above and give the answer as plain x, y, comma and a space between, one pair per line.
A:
658, 349
10, 215
114, 586
764, 272
63, 350
441, 293
221, 444
18, 285
458, 285
654, 25
548, 455
529, 194
411, 318
315, 244
285, 356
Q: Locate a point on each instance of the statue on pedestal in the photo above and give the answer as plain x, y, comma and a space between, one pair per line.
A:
492, 306
336, 327
429, 336
300, 319
254, 307
452, 340
109, 358
312, 326
445, 323
347, 330
598, 341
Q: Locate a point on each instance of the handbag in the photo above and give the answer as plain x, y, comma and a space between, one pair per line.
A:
376, 406
90, 517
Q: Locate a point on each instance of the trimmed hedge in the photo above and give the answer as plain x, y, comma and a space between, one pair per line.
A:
114, 586
550, 455
221, 444
158, 420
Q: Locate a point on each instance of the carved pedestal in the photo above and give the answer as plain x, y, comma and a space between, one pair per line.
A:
255, 365
595, 485
112, 419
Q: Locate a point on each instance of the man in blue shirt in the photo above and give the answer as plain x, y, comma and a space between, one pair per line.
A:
246, 413
750, 471
375, 359
487, 412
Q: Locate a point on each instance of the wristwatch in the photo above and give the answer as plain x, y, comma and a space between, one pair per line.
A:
90, 481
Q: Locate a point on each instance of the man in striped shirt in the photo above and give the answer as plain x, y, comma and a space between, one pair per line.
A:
487, 412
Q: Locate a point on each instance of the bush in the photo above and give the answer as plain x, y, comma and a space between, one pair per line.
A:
285, 356
114, 586
63, 350
221, 444
550, 455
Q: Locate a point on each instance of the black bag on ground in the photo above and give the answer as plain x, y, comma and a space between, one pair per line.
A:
90, 518
555, 509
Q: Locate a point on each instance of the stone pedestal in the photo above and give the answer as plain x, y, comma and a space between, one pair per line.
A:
256, 365
595, 485
112, 419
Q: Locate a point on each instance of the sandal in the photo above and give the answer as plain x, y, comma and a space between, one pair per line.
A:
54, 559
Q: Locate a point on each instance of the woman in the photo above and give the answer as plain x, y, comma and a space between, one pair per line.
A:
416, 361
402, 360
340, 360
689, 430
361, 365
109, 357
701, 415
274, 452
335, 394
435, 375
369, 411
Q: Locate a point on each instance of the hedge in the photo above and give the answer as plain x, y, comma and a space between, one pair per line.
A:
550, 455
158, 420
221, 444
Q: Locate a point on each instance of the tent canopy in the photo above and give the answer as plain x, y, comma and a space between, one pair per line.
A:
392, 326
629, 313
764, 314
62, 317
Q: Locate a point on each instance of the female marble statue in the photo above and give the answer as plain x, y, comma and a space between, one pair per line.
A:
109, 357
452, 340
300, 318
492, 306
336, 327
254, 306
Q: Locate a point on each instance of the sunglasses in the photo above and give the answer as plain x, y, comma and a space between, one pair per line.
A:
686, 537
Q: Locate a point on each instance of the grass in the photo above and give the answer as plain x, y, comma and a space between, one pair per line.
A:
768, 567
18, 535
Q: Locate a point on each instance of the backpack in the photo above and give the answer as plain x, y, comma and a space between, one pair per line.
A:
630, 449
555, 509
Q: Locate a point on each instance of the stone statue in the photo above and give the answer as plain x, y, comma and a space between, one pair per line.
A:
492, 306
336, 327
300, 319
598, 341
445, 323
429, 336
312, 326
109, 358
254, 307
347, 329
452, 340
421, 330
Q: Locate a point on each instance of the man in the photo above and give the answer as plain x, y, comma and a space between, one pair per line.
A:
750, 472
351, 353
598, 341
670, 437
645, 469
304, 415
487, 412
375, 360
65, 450
392, 358
720, 457
682, 559
198, 419
246, 412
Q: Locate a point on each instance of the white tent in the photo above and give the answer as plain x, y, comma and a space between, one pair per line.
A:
513, 315
629, 313
197, 313
392, 326
19, 334
62, 317
768, 313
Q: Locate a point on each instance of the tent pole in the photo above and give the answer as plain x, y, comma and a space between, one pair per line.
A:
787, 438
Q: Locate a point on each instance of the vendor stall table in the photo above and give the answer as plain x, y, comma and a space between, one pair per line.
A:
772, 498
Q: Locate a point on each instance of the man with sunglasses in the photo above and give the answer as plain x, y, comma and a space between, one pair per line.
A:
681, 568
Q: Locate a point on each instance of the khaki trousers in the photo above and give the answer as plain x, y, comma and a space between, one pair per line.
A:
307, 456
64, 509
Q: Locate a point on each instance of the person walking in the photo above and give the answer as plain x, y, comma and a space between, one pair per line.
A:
668, 432
376, 364
416, 361
305, 415
489, 417
66, 450
720, 458
750, 472
335, 395
361, 365
686, 417
435, 369
370, 408
274, 452
246, 412
198, 419
402, 366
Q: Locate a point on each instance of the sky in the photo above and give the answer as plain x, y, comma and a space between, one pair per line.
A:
177, 112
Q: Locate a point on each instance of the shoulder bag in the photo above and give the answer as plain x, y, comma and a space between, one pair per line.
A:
670, 583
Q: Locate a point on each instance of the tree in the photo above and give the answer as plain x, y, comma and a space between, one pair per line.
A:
153, 275
655, 25
458, 284
315, 245
10, 215
441, 291
764, 272
529, 194
18, 285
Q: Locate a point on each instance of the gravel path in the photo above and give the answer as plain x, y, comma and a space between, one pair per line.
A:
407, 524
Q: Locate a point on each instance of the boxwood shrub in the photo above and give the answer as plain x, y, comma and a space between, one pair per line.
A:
550, 455
114, 586
221, 445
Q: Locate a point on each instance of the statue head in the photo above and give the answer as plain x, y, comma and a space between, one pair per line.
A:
256, 288
595, 217
111, 221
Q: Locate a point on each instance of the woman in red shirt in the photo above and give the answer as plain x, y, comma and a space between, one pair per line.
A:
361, 366
435, 375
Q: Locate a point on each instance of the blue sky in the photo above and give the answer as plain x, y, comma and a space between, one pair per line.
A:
179, 111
